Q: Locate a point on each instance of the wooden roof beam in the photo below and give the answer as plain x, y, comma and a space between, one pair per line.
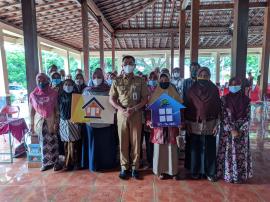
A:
140, 9
94, 8
163, 12
172, 11
226, 6
169, 30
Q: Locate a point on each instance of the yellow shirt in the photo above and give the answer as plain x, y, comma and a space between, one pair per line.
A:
129, 90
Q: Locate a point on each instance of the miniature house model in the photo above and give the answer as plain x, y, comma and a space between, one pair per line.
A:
165, 111
93, 109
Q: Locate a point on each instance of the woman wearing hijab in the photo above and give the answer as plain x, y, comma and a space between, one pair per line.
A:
69, 131
165, 160
56, 82
57, 85
234, 163
45, 121
146, 130
80, 84
100, 143
202, 120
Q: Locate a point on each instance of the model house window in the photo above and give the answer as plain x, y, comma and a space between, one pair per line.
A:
165, 115
93, 112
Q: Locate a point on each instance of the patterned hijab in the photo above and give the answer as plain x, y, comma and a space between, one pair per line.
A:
43, 100
238, 102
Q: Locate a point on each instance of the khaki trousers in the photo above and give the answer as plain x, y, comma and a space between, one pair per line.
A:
129, 131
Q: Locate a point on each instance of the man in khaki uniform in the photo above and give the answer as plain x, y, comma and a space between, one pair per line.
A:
128, 95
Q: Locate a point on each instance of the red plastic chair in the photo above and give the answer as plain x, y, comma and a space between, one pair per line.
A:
10, 110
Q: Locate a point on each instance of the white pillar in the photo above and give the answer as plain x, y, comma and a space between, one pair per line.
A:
4, 90
167, 58
119, 68
41, 69
66, 63
217, 62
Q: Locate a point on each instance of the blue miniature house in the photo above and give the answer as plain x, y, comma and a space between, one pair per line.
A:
165, 112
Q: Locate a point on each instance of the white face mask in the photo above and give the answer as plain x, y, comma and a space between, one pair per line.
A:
68, 89
129, 69
79, 82
97, 82
176, 75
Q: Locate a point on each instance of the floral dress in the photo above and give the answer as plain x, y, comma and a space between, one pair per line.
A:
234, 162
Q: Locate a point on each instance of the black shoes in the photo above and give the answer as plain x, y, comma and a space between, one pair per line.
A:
57, 167
44, 168
124, 174
211, 179
135, 174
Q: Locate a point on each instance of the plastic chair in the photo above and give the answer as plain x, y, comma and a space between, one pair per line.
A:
10, 110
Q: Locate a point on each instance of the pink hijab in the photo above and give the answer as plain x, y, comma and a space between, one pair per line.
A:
43, 101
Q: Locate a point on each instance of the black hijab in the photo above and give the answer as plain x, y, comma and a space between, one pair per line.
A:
64, 101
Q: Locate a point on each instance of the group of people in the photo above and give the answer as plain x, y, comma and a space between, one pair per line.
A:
216, 128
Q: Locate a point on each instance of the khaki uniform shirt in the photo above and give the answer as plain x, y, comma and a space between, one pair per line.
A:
129, 91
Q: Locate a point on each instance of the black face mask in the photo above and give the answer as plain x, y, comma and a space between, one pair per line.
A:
202, 81
164, 85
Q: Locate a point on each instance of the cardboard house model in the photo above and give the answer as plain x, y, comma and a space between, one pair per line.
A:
165, 111
93, 109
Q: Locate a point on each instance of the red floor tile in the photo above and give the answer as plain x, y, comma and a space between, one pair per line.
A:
18, 183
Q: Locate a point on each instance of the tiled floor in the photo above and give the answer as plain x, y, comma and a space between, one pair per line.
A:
18, 183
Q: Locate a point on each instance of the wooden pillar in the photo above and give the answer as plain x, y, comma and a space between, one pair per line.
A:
30, 42
240, 36
182, 27
265, 50
113, 52
172, 52
194, 31
4, 90
217, 61
101, 46
85, 28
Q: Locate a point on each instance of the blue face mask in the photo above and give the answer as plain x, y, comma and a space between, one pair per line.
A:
109, 82
152, 83
234, 89
56, 81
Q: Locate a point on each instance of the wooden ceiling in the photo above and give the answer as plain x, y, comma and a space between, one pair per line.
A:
138, 24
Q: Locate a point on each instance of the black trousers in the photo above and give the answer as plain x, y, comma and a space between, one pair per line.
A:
149, 147
187, 151
203, 154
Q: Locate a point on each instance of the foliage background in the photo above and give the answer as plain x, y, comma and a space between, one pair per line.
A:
17, 73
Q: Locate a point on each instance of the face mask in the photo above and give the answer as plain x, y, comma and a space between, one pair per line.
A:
176, 75
56, 81
42, 86
164, 85
79, 82
129, 69
234, 89
97, 82
68, 89
109, 81
152, 83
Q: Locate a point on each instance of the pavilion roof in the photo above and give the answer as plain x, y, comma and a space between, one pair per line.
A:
137, 24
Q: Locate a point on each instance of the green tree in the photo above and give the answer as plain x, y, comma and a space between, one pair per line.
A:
50, 58
16, 67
